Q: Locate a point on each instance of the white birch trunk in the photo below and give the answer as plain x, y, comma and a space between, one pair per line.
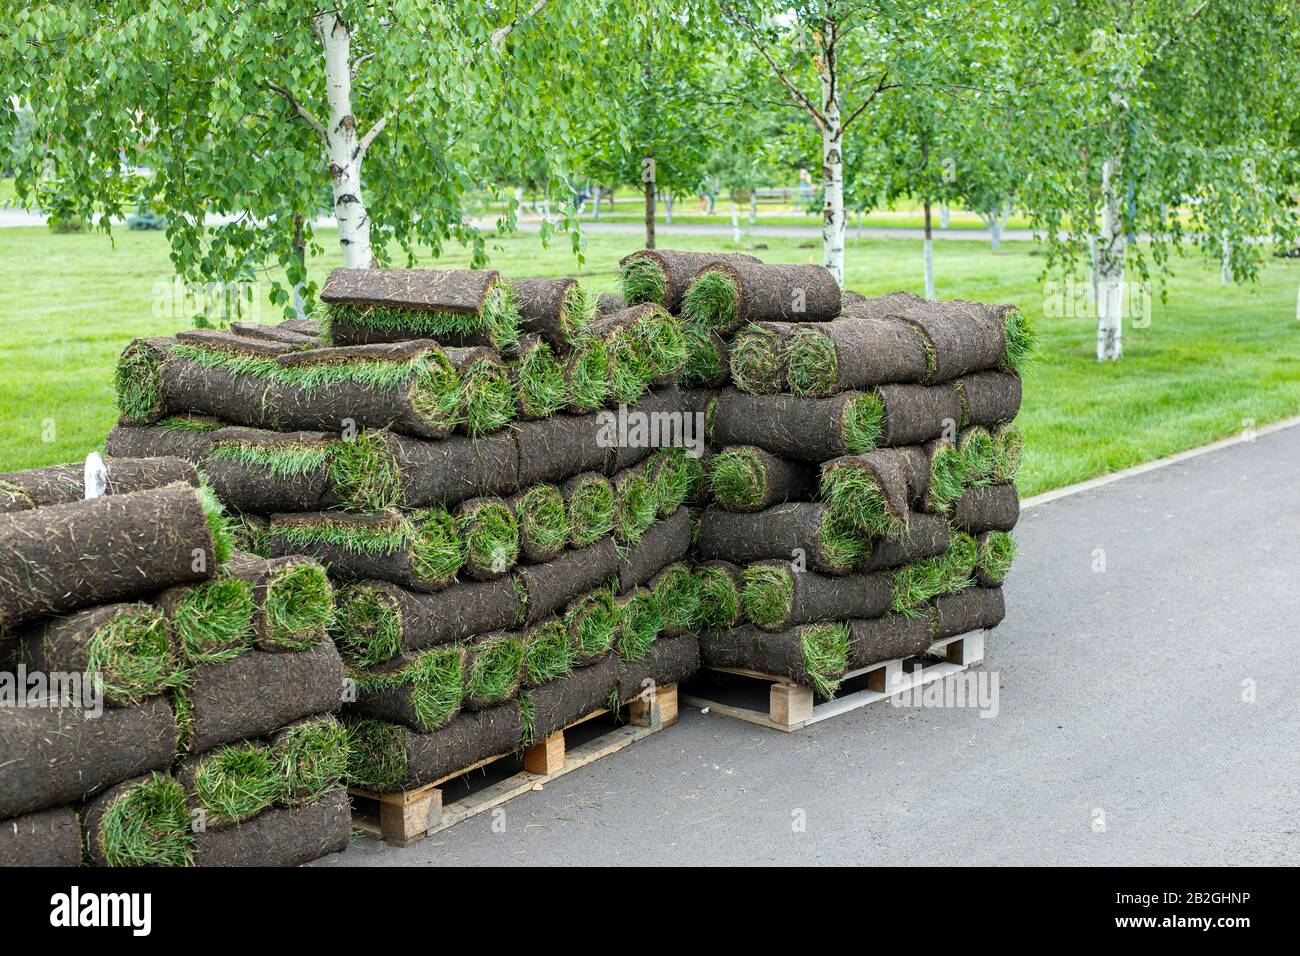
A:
995, 231
735, 222
341, 139
668, 209
1225, 271
943, 216
595, 209
753, 207
929, 269
833, 219
1110, 268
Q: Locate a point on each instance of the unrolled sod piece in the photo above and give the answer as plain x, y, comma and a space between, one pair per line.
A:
454, 306
813, 655
853, 354
776, 597
559, 447
388, 757
548, 587
726, 295
926, 535
988, 398
57, 756
292, 600
422, 691
45, 838
125, 648
494, 670
720, 588
543, 522
759, 357
589, 503
747, 478
556, 309
258, 692
143, 821
802, 429
915, 414
966, 611
663, 275
787, 532
663, 543
375, 621
994, 508
561, 701
281, 836
421, 551
886, 638
670, 660
65, 557
62, 484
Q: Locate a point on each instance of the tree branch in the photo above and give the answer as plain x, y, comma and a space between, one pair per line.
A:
360, 62
499, 36
301, 110
364, 143
881, 87
796, 94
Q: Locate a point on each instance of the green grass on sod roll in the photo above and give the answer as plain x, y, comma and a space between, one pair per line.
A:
488, 397
298, 606
631, 367
499, 318
213, 621
310, 758
767, 593
137, 380
664, 342
437, 680
811, 364
132, 657
718, 599
678, 594
542, 389
1022, 340
947, 478
432, 534
365, 474
979, 456
593, 621
635, 508
527, 718
548, 652
737, 478
235, 782
591, 512
915, 584
756, 361
543, 518
494, 672
673, 478
854, 496
149, 825
366, 626
278, 461
216, 515
185, 423
711, 300
997, 550
703, 362
864, 423
844, 545
1008, 445
960, 560
639, 626
825, 654
437, 549
376, 754
642, 281
576, 313
589, 382
491, 535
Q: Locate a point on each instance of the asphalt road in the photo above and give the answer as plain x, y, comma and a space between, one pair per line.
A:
1148, 714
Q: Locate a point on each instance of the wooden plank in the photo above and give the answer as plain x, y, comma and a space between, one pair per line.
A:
655, 708
545, 756
789, 704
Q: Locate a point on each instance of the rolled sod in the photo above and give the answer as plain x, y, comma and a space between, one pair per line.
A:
592, 623
548, 587
421, 551
125, 648
670, 660
635, 504
707, 362
541, 389
559, 448
926, 535
662, 276
608, 302
561, 701
645, 344
229, 784
292, 599
961, 337
586, 370
385, 758
678, 594
775, 597
376, 621
640, 622
45, 838
66, 557
997, 550
758, 357
549, 652
59, 755
726, 295
921, 581
886, 638
660, 419
747, 478
720, 588
801, 429
311, 757
589, 505
140, 822
791, 532
856, 354
873, 492
494, 670
64, 484
280, 837
490, 533
995, 508
979, 455
422, 691
1022, 339
211, 621
455, 306
812, 655
988, 398
449, 471
558, 310
676, 478
411, 387
1008, 445
257, 693
543, 522
915, 414
663, 543
966, 611
487, 390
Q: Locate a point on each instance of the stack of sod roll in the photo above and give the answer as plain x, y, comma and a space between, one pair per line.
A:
860, 462
507, 557
155, 681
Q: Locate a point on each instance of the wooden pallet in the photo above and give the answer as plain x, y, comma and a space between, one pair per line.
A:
409, 816
791, 706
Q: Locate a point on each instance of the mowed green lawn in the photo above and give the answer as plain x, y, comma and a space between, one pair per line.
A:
1214, 358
